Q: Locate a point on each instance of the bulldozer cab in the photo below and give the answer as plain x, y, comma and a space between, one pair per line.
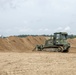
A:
60, 38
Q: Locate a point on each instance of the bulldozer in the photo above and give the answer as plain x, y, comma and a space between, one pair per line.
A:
56, 43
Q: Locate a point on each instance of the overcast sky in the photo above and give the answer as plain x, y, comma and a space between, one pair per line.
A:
37, 16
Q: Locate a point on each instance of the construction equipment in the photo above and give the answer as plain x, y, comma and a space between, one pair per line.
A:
57, 43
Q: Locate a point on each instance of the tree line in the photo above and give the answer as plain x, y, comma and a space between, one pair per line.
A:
69, 36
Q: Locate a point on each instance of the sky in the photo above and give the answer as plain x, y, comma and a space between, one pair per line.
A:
37, 17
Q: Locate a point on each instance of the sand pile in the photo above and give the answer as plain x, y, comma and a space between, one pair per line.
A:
17, 44
72, 42
73, 45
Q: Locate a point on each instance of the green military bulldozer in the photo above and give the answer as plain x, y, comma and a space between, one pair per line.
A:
57, 43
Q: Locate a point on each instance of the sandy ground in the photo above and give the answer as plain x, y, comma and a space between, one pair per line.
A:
38, 63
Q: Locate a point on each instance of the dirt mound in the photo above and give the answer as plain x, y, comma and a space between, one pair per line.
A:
73, 44
17, 44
